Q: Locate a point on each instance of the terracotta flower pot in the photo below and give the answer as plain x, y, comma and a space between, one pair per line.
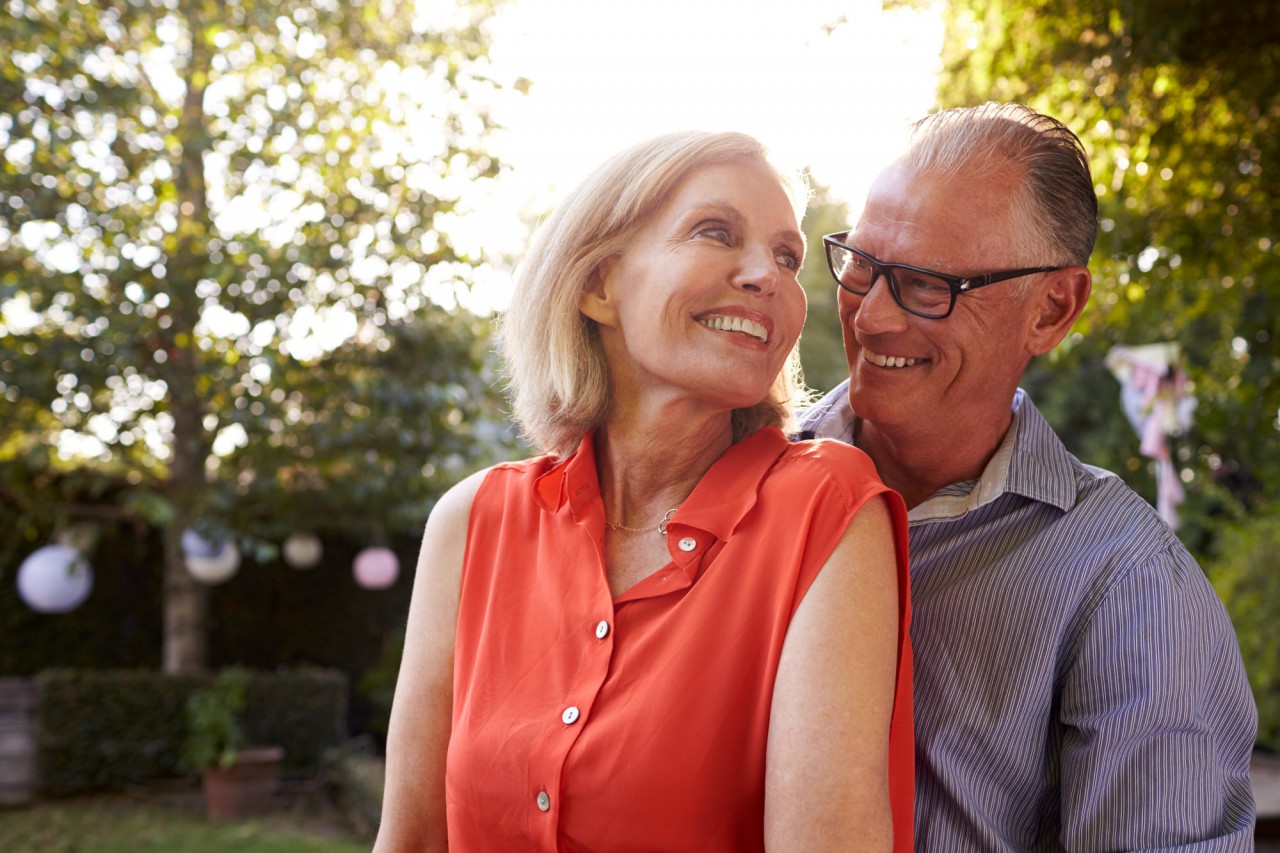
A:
246, 788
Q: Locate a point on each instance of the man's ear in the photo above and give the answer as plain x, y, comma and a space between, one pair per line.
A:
1060, 301
596, 300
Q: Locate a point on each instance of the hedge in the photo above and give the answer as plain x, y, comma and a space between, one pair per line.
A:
1244, 573
102, 729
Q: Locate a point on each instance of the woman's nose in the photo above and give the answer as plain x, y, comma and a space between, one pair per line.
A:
759, 271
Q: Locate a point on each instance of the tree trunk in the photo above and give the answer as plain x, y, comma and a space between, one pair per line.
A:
185, 608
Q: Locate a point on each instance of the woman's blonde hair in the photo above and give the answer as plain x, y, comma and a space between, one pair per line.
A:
555, 362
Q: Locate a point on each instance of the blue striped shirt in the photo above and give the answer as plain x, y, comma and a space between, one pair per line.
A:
1078, 684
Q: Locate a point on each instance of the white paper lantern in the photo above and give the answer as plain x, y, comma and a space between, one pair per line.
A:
376, 567
217, 568
195, 545
302, 550
54, 579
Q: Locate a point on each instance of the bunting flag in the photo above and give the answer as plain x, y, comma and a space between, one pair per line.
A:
1157, 399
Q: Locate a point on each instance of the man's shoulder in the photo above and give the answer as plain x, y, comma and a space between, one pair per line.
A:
829, 417
1105, 495
1098, 505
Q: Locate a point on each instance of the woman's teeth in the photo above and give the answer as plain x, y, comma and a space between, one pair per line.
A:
736, 324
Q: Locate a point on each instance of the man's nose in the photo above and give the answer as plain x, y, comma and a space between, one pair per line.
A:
879, 311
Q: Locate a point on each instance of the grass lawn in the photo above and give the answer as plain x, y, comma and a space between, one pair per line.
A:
172, 823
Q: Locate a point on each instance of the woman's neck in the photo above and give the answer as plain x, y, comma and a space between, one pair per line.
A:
646, 466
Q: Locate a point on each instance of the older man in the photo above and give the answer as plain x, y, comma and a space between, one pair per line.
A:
1078, 683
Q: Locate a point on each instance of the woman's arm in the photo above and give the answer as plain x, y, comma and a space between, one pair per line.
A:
826, 779
413, 813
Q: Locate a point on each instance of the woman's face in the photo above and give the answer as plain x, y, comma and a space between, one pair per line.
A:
703, 304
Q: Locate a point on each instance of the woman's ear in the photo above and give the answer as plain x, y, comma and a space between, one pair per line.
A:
596, 300
1061, 300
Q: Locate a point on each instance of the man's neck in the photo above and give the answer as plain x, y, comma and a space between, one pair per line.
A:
917, 464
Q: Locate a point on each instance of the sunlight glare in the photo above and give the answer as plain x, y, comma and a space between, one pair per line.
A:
828, 85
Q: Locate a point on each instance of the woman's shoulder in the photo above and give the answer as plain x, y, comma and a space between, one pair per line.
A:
531, 467
453, 507
498, 480
826, 466
829, 457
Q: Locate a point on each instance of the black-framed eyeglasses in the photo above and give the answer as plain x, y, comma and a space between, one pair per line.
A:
925, 293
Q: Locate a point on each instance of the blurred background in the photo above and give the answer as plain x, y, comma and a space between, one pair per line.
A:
252, 251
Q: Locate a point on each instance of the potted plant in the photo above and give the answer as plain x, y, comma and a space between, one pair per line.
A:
239, 780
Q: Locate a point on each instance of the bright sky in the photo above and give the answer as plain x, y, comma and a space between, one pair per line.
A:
826, 84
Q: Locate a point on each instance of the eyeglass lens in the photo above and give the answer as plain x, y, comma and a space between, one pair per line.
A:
915, 291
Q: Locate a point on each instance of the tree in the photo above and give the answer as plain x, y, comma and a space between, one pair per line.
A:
1179, 106
222, 267
821, 344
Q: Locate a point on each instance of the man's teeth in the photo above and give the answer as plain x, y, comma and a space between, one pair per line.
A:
736, 324
889, 360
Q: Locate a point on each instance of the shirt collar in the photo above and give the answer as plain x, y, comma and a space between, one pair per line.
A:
956, 499
728, 491
832, 416
1031, 460
722, 498
572, 479
1040, 467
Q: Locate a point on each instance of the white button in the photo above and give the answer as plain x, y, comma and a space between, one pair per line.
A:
570, 715
602, 630
687, 544
544, 801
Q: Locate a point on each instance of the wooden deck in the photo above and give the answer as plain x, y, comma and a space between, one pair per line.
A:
1265, 773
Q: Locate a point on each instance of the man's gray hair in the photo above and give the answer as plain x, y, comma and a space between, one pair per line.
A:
1055, 208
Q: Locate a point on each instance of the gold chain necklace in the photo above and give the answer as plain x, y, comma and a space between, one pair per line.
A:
662, 525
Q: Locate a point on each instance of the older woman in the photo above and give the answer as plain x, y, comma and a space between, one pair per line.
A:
676, 630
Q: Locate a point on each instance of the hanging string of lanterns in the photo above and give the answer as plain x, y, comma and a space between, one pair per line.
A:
57, 578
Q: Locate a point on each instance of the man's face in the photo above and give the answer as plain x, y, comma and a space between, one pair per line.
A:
913, 375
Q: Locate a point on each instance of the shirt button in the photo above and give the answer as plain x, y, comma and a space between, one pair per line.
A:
570, 715
544, 801
602, 630
687, 544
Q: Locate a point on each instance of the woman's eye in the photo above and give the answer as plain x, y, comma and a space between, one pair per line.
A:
718, 233
789, 260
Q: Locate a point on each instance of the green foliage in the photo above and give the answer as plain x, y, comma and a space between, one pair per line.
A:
302, 710
1179, 107
1244, 574
378, 684
103, 729
215, 734
821, 344
226, 277
99, 730
361, 782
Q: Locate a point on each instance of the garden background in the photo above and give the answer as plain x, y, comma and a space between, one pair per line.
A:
239, 297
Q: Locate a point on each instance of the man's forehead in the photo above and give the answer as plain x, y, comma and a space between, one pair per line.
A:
937, 220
